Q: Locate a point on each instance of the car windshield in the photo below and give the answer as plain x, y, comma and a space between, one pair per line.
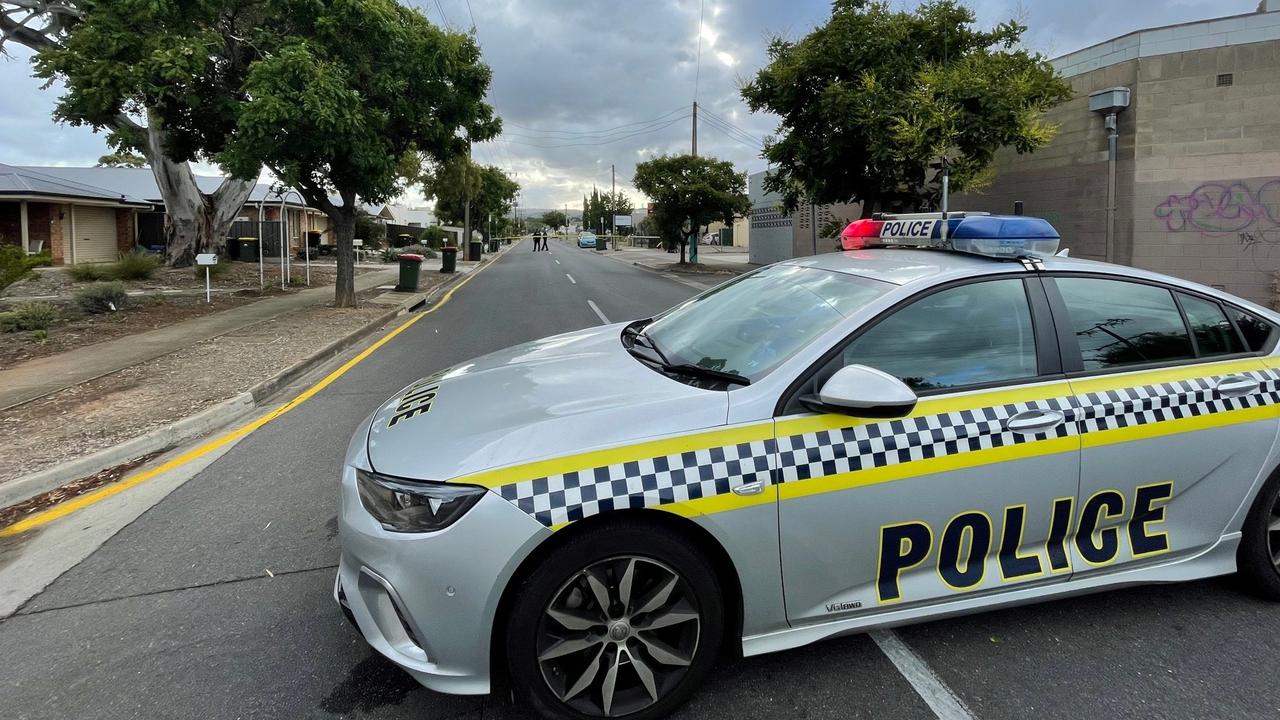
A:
749, 326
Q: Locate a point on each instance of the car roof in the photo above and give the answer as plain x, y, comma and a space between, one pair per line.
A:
903, 266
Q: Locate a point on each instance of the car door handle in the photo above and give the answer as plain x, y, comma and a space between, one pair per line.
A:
751, 488
1236, 385
1031, 421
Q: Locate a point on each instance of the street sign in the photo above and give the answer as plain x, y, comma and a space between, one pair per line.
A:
357, 242
623, 220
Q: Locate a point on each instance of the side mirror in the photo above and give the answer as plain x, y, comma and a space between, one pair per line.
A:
861, 391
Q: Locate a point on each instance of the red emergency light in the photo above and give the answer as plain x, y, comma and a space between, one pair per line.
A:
856, 234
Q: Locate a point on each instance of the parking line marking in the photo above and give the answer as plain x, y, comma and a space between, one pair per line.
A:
927, 684
66, 508
575, 282
599, 314
557, 262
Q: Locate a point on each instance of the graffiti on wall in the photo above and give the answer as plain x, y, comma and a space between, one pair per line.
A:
1223, 208
1248, 210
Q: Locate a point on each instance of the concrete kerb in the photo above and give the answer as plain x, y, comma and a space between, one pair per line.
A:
212, 418
672, 274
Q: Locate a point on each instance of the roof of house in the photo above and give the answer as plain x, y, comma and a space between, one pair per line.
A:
402, 215
32, 182
134, 182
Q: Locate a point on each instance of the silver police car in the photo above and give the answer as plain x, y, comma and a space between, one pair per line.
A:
890, 434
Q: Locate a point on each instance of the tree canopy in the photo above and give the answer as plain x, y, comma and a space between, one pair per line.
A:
491, 192
873, 99
554, 219
351, 98
697, 188
600, 208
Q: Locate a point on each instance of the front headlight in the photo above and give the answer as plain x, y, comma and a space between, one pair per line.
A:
414, 506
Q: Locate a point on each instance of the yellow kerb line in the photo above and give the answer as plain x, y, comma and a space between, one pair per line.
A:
66, 508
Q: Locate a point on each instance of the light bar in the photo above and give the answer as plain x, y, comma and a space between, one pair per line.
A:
1001, 236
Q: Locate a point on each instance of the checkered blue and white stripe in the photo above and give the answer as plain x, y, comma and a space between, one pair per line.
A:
706, 472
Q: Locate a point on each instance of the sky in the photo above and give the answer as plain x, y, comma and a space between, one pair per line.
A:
583, 85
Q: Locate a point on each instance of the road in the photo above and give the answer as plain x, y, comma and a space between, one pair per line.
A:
215, 602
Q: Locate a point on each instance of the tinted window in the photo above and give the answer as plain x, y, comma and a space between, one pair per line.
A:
1256, 331
1122, 323
967, 335
1210, 326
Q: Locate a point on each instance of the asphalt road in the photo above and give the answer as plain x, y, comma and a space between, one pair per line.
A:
215, 603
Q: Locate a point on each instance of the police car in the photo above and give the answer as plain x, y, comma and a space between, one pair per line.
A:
944, 418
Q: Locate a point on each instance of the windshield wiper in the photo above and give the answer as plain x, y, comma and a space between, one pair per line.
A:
708, 373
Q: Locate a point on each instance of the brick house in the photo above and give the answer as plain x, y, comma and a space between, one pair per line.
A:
75, 222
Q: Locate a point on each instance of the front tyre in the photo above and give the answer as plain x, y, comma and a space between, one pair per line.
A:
622, 621
1258, 558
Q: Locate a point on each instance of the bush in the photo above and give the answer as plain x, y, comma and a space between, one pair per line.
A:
88, 272
389, 255
136, 265
102, 297
422, 250
30, 316
15, 264
435, 236
39, 337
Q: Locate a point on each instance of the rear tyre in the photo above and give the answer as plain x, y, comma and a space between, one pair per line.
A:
623, 621
1258, 558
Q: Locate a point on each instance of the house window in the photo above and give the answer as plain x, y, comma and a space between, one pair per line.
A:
1226, 80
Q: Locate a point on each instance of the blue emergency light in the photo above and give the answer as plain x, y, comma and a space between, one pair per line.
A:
1002, 236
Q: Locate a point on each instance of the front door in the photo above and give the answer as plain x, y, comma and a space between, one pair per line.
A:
970, 493
1176, 416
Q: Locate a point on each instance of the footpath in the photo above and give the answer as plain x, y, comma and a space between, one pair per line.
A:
85, 411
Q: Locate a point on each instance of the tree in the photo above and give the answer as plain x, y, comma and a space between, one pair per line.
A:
121, 62
555, 219
350, 98
489, 189
122, 159
699, 189
370, 230
872, 101
614, 204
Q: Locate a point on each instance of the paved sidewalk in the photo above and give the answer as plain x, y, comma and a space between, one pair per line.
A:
734, 259
35, 378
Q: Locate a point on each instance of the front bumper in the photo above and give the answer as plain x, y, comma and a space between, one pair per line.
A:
427, 601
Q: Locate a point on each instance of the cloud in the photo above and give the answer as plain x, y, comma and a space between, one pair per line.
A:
585, 84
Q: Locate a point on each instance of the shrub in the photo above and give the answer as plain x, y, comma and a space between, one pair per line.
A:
15, 264
389, 254
136, 265
102, 297
435, 236
31, 316
88, 272
419, 250
39, 337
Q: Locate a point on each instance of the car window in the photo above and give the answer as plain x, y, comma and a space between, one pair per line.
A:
1209, 325
750, 325
967, 335
1256, 331
1121, 323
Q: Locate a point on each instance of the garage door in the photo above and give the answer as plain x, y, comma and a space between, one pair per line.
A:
95, 238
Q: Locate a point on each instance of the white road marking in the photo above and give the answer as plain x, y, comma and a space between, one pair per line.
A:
927, 684
557, 262
599, 314
575, 282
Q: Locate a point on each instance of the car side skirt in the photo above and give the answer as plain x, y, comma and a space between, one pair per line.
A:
1218, 559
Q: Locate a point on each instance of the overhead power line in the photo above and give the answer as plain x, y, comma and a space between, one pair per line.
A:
637, 133
714, 124
606, 131
732, 127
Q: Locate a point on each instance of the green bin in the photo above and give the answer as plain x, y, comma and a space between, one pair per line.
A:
410, 265
448, 259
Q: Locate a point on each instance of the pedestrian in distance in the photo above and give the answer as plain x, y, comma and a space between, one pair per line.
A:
535, 241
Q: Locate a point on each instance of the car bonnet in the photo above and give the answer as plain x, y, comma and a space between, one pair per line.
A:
556, 396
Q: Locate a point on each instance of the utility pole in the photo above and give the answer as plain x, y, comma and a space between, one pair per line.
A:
613, 189
695, 128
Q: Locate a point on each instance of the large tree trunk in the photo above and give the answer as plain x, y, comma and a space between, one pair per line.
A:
194, 222
344, 228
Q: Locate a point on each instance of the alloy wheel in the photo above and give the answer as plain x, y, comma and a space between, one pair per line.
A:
618, 636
